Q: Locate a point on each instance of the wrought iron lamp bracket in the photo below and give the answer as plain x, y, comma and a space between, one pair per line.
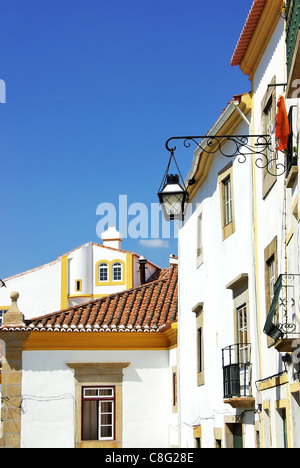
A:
260, 146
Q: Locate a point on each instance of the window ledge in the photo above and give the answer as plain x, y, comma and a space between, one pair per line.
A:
242, 402
285, 345
108, 444
291, 178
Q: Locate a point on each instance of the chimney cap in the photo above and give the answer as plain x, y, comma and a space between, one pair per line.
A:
142, 259
173, 259
111, 234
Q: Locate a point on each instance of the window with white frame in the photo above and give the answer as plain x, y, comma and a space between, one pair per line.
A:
98, 413
268, 112
227, 201
117, 271
199, 256
225, 178
243, 333
271, 276
103, 272
2, 312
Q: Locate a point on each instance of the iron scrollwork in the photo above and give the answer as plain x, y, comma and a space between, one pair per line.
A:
242, 146
287, 303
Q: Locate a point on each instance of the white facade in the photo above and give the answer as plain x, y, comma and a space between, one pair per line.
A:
206, 282
49, 402
278, 227
227, 278
74, 279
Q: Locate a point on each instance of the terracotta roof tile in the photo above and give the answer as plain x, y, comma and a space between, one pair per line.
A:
248, 31
146, 308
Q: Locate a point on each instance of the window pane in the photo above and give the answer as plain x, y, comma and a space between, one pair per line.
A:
106, 419
106, 391
174, 389
103, 272
98, 413
200, 355
90, 392
199, 236
106, 432
106, 407
227, 201
98, 392
271, 267
269, 124
2, 312
89, 420
117, 272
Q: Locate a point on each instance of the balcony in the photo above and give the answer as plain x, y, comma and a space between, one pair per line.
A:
291, 151
292, 15
283, 320
237, 376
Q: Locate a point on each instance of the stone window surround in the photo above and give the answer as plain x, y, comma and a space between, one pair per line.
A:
104, 374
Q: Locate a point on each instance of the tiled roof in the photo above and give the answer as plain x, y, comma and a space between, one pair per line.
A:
74, 250
147, 308
248, 31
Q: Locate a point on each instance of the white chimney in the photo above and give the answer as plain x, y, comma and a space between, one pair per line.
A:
173, 259
112, 238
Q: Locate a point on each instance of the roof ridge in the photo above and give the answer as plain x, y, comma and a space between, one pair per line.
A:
145, 308
248, 31
104, 298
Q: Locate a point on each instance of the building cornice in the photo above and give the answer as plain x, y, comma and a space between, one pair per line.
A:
252, 44
95, 341
226, 125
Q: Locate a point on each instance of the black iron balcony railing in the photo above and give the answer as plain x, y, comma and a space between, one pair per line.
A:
237, 370
283, 320
291, 150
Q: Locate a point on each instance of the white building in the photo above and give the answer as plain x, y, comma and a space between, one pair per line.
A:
234, 380
216, 281
239, 257
88, 272
98, 375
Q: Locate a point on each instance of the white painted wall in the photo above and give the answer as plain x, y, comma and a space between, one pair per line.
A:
223, 261
48, 390
270, 211
39, 290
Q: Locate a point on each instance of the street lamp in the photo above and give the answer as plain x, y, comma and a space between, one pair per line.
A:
172, 195
173, 198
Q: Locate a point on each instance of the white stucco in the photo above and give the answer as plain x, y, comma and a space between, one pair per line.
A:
223, 261
205, 281
41, 289
48, 397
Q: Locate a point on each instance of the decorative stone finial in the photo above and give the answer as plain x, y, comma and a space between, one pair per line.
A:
13, 316
14, 295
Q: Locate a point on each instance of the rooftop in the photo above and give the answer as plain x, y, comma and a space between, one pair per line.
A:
150, 307
248, 31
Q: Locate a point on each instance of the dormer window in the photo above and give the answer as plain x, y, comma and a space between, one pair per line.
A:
103, 272
110, 272
117, 271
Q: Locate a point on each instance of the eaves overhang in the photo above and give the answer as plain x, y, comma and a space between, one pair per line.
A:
34, 340
257, 32
227, 124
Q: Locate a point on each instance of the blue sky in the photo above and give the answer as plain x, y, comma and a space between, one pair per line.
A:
94, 88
